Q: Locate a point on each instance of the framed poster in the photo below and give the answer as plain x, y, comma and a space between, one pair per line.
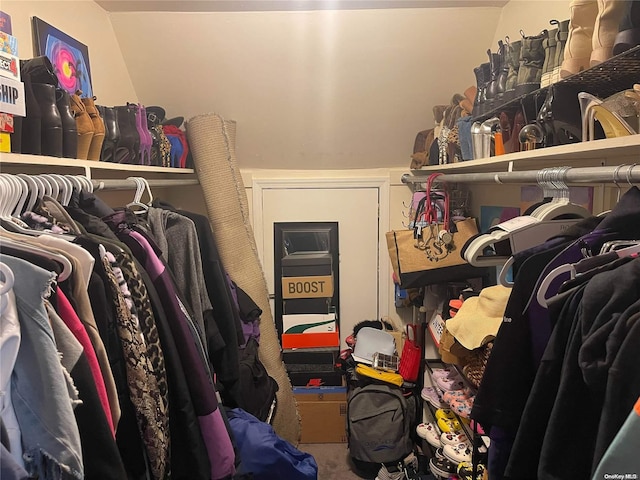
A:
69, 57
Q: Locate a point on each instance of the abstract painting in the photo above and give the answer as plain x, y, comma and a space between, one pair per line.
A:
69, 57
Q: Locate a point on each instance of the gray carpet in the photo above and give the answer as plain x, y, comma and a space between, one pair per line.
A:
332, 459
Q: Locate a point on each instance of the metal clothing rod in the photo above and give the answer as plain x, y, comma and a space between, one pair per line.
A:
128, 184
618, 174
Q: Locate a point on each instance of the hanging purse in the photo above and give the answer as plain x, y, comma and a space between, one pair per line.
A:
430, 252
410, 359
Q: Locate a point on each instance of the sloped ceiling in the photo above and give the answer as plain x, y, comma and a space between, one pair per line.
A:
316, 88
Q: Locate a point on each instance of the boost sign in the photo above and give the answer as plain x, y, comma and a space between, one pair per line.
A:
307, 287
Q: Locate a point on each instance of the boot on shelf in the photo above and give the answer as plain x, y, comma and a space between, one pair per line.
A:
629, 29
577, 51
51, 126
482, 73
610, 14
531, 61
112, 133
98, 129
561, 41
503, 71
84, 125
69, 128
492, 84
549, 44
513, 64
31, 135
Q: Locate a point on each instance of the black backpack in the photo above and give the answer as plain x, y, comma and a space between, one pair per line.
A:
257, 390
379, 423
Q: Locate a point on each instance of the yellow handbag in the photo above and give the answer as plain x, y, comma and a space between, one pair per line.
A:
387, 377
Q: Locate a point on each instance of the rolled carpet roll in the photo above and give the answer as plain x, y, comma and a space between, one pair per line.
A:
212, 143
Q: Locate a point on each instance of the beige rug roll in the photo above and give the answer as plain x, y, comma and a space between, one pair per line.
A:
212, 142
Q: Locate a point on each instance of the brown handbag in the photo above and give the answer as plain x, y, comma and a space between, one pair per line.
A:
431, 253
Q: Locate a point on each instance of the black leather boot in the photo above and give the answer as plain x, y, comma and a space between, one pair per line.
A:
16, 136
503, 71
560, 116
111, 135
32, 122
483, 75
492, 85
128, 148
69, 130
45, 95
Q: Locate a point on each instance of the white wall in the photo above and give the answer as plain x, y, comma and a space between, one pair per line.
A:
309, 89
88, 23
529, 16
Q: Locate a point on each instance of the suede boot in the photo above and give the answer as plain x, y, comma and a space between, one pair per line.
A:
610, 13
51, 126
629, 29
98, 129
531, 61
69, 129
561, 41
549, 44
84, 125
513, 63
577, 51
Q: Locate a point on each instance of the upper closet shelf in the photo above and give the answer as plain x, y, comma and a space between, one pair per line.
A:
15, 159
609, 151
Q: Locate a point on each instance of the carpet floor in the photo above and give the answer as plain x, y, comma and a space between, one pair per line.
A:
332, 459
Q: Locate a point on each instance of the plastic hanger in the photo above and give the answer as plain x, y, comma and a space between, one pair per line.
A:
570, 268
60, 259
138, 195
32, 191
560, 205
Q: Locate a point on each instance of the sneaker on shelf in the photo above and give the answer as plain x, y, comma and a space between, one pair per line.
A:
441, 467
455, 395
390, 473
458, 453
453, 439
431, 395
447, 384
462, 407
447, 425
445, 414
430, 433
465, 471
442, 373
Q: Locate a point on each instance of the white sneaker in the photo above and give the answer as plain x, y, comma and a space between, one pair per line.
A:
385, 474
430, 433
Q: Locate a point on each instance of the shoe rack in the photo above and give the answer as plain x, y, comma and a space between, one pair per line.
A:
612, 76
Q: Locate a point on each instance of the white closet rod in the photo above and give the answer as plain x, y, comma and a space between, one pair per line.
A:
126, 184
619, 174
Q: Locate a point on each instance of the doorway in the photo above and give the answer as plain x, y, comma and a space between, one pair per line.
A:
359, 207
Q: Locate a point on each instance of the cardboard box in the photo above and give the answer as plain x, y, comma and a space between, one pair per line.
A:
323, 413
307, 264
308, 323
5, 142
310, 340
307, 287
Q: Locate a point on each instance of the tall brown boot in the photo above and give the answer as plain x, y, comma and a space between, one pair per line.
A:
84, 125
577, 51
610, 14
98, 129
